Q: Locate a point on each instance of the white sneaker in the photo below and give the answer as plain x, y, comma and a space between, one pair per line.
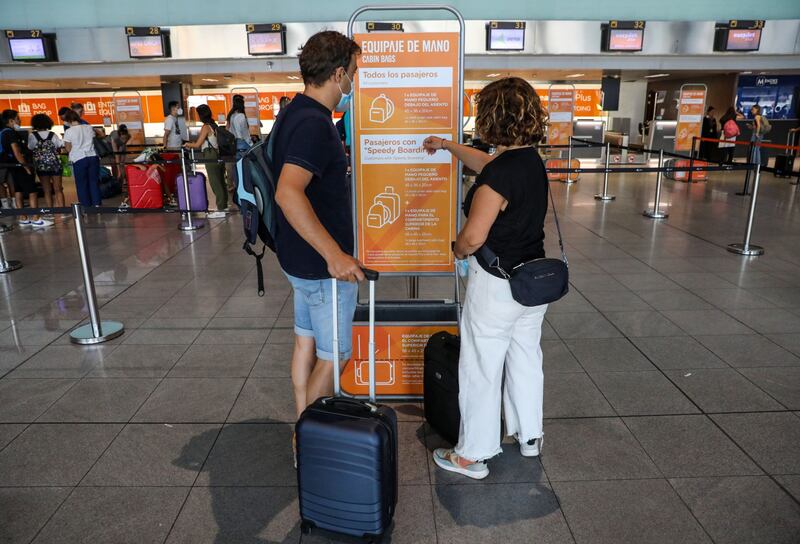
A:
446, 459
42, 223
216, 215
24, 222
531, 448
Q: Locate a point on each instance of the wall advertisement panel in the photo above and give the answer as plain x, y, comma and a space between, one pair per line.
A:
128, 111
561, 106
406, 205
691, 103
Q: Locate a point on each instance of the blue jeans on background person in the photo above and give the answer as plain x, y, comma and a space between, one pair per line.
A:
87, 180
756, 156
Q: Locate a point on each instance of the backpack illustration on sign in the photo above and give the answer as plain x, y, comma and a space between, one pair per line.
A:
765, 125
226, 142
45, 155
255, 196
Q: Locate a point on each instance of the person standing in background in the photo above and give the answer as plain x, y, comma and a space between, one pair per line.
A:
709, 130
207, 143
730, 131
11, 152
240, 128
119, 144
757, 127
173, 139
77, 107
79, 143
46, 145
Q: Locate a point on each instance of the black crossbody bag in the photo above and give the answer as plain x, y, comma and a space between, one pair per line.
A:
539, 281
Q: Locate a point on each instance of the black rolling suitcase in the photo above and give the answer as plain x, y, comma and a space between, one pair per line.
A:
440, 384
784, 164
347, 456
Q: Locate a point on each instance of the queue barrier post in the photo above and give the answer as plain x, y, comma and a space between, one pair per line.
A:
656, 213
604, 196
96, 331
187, 224
691, 159
746, 189
569, 179
7, 266
747, 248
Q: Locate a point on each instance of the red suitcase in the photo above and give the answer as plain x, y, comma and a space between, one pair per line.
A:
144, 187
562, 163
700, 175
171, 171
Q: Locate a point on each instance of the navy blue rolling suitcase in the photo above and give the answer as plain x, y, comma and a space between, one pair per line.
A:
347, 456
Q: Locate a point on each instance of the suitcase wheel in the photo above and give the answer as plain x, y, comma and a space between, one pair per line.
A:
306, 527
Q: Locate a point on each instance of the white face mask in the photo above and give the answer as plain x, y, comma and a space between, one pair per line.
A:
179, 112
16, 126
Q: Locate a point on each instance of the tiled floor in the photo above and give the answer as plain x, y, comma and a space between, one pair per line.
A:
672, 387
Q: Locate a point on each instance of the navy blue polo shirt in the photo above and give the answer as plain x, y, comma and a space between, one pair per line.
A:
308, 138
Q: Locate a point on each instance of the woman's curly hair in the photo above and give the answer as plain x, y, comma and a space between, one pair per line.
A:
510, 113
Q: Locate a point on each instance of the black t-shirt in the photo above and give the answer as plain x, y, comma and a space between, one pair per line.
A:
7, 137
517, 234
307, 138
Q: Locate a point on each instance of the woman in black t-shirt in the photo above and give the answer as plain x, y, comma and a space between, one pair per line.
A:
500, 337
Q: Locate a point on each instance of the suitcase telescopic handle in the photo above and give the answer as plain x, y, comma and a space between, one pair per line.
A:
371, 275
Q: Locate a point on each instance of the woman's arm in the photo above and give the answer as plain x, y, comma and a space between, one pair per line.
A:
486, 205
16, 148
473, 158
200, 139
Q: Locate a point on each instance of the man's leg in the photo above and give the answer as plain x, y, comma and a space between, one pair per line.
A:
303, 360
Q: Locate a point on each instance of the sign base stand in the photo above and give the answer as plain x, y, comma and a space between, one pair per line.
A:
85, 335
751, 250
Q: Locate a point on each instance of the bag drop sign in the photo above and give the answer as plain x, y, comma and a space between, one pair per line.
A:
405, 90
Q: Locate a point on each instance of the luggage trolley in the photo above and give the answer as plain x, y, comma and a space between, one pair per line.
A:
402, 326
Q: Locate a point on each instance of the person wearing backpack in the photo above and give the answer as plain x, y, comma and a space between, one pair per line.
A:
730, 131
12, 152
45, 145
208, 143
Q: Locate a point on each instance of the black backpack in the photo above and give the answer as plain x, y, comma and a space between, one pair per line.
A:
226, 142
255, 196
102, 147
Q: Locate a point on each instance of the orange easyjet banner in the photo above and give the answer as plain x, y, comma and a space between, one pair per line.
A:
399, 358
406, 89
128, 111
690, 117
560, 105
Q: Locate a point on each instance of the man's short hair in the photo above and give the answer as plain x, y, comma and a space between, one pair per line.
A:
173, 104
323, 54
76, 106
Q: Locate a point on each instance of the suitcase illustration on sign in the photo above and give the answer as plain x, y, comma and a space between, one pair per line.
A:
700, 175
385, 209
347, 456
144, 187
561, 163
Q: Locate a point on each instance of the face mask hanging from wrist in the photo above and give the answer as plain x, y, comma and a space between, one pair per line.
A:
344, 101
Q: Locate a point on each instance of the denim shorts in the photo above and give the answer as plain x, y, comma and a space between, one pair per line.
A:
313, 314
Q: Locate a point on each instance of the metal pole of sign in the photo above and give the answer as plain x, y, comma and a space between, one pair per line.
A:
96, 331
569, 163
655, 213
691, 159
187, 224
604, 196
7, 266
746, 189
747, 248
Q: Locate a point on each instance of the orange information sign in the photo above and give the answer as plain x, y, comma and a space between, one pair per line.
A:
128, 111
399, 356
561, 105
690, 117
406, 89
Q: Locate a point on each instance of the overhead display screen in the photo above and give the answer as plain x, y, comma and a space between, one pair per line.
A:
743, 39
625, 39
27, 49
505, 36
266, 43
145, 47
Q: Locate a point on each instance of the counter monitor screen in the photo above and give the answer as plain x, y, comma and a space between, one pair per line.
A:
266, 43
505, 36
146, 47
27, 49
743, 39
623, 39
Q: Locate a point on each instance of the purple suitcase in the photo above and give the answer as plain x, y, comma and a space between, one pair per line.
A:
198, 197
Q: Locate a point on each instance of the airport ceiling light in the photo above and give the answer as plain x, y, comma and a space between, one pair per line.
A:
20, 85
210, 80
98, 83
653, 76
293, 77
492, 75
574, 75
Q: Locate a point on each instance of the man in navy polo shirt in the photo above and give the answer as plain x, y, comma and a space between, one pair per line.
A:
315, 223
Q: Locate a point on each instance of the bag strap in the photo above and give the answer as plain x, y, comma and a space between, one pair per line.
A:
38, 136
493, 260
259, 267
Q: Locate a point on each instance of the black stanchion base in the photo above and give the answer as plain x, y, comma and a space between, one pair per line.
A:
655, 215
605, 198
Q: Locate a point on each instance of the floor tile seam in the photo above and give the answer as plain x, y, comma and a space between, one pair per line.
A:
17, 435
555, 494
752, 459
